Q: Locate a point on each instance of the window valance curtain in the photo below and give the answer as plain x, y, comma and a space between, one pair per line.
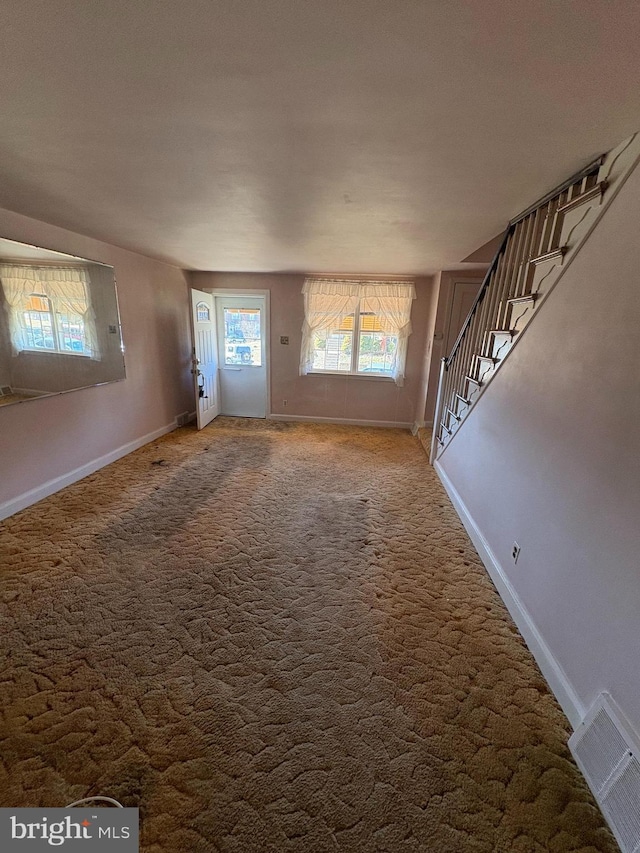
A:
67, 288
327, 300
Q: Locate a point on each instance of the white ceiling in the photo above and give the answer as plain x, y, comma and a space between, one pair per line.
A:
370, 136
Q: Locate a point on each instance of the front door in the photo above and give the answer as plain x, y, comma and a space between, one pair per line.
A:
242, 355
204, 357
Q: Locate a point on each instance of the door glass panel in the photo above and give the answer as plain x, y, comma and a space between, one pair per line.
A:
242, 336
202, 312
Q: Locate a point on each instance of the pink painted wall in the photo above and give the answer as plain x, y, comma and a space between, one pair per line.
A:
550, 458
486, 253
48, 437
324, 396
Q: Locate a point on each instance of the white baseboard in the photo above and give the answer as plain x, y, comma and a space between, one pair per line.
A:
32, 392
351, 421
549, 666
421, 425
51, 486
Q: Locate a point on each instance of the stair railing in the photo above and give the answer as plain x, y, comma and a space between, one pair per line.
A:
531, 238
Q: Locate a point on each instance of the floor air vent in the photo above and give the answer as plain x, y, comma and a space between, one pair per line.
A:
608, 755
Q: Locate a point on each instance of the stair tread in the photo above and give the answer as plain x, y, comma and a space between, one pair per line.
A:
475, 381
488, 358
527, 297
594, 192
463, 399
558, 252
455, 415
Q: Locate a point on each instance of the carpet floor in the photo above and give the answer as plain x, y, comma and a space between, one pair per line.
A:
278, 637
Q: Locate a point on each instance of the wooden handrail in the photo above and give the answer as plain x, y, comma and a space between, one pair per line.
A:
479, 297
590, 169
532, 238
583, 173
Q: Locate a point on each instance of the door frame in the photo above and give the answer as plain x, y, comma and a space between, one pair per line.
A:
247, 292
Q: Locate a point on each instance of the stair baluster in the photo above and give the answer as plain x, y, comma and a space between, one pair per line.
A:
506, 294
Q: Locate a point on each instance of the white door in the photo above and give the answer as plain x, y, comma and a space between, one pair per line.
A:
243, 355
205, 357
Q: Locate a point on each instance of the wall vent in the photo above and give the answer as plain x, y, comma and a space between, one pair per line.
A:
607, 752
5, 391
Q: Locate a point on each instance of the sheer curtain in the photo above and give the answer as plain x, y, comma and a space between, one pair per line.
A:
15, 287
326, 301
391, 303
67, 288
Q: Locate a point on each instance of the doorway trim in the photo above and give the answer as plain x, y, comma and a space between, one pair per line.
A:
249, 292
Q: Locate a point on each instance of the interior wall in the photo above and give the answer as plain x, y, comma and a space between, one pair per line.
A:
48, 437
323, 395
550, 458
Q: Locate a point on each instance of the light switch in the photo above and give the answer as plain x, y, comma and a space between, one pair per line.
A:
284, 339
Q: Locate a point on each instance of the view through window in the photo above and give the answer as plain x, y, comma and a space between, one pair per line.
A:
374, 350
46, 328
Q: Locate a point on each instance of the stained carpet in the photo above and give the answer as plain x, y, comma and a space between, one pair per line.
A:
278, 637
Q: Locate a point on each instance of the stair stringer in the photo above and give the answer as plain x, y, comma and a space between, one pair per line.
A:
578, 225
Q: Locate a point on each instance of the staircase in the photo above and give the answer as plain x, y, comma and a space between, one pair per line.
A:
536, 248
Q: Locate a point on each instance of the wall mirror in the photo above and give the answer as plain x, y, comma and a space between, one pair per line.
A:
59, 323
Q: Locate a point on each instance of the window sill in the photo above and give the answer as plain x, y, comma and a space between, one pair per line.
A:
55, 352
367, 376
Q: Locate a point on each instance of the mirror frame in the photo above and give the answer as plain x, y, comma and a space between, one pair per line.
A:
118, 317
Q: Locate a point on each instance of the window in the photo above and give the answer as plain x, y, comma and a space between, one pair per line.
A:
374, 352
202, 312
45, 328
358, 328
49, 309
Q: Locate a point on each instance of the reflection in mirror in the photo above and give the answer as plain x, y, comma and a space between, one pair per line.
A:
59, 323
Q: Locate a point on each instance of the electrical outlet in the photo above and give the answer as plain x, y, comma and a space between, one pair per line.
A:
515, 552
284, 339
284, 402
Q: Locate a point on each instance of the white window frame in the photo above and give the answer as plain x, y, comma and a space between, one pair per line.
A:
328, 300
53, 314
67, 289
355, 349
